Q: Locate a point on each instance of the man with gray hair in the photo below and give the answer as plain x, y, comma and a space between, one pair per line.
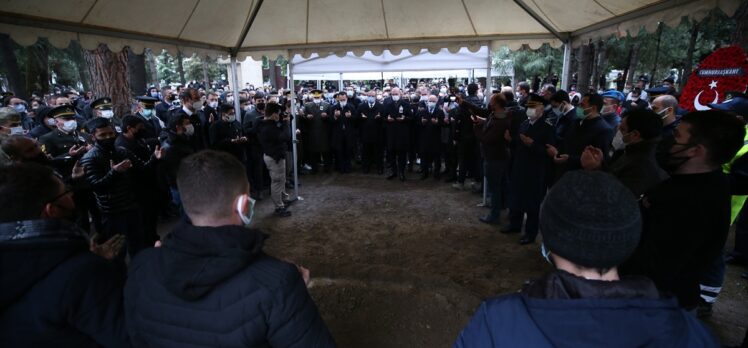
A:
10, 124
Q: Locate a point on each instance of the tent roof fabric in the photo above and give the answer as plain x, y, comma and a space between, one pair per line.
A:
325, 27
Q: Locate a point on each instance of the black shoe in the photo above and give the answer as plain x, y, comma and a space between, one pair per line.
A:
402, 177
703, 309
289, 202
525, 241
510, 230
282, 212
450, 179
487, 220
391, 176
735, 260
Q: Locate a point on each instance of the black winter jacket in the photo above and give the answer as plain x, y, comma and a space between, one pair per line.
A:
274, 137
214, 287
55, 293
114, 191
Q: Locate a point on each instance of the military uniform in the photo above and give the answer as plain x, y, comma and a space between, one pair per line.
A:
104, 106
153, 131
318, 118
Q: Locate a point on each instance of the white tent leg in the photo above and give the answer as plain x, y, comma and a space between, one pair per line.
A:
487, 94
567, 66
340, 83
235, 87
293, 132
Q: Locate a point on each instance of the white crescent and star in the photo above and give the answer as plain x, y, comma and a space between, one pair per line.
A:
698, 106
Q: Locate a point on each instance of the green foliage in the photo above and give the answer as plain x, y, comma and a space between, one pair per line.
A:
529, 63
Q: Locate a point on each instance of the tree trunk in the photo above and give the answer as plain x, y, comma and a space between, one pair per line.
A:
109, 77
206, 78
633, 61
180, 68
136, 68
593, 71
271, 72
740, 35
37, 67
151, 61
583, 75
15, 83
601, 63
688, 66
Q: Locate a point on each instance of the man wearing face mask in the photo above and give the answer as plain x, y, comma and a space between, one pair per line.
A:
275, 136
190, 106
634, 163
589, 129
350, 93
45, 124
65, 144
565, 114
611, 101
153, 127
591, 224
109, 170
255, 162
343, 136
399, 116
370, 115
10, 124
318, 118
529, 175
176, 147
144, 175
430, 120
211, 112
687, 216
19, 105
56, 290
102, 107
226, 134
269, 304
164, 104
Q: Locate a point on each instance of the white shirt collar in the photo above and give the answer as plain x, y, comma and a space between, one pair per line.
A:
187, 110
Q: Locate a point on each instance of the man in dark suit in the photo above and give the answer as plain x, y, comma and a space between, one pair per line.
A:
370, 115
399, 116
430, 120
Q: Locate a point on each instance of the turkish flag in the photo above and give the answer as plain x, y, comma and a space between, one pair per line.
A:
725, 70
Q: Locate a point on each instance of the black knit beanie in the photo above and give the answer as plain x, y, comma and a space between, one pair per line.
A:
590, 219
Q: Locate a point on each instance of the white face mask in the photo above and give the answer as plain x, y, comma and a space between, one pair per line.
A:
16, 130
189, 130
349, 93
443, 90
546, 253
343, 103
531, 114
213, 104
51, 122
431, 105
317, 100
69, 126
246, 219
424, 98
663, 113
618, 143
231, 118
396, 97
107, 113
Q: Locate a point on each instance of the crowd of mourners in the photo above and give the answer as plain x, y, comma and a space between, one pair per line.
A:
633, 197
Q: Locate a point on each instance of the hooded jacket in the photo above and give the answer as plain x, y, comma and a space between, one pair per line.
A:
55, 293
214, 287
563, 310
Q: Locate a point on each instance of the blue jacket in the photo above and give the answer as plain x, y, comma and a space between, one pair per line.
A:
214, 287
566, 311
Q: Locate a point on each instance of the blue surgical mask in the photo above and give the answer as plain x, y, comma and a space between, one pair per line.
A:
246, 219
371, 100
20, 108
154, 94
147, 113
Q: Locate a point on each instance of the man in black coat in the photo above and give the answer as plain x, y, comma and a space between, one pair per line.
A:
399, 116
255, 163
108, 171
245, 298
370, 115
176, 147
153, 127
430, 121
226, 133
190, 106
56, 293
343, 133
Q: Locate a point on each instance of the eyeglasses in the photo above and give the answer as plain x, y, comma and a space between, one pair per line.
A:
63, 194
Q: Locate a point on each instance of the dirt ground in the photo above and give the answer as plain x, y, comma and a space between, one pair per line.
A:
406, 264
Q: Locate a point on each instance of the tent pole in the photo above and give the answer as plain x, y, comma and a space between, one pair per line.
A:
293, 131
489, 89
235, 87
567, 65
340, 82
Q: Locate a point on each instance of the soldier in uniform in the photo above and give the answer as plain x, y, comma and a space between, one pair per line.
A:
152, 132
66, 145
102, 107
318, 116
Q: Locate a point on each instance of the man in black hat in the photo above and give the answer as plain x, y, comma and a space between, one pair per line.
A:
102, 107
64, 143
590, 224
45, 123
153, 127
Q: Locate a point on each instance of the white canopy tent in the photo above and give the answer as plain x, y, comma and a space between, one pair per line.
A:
255, 28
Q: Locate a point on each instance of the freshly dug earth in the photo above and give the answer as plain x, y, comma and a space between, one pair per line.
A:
406, 264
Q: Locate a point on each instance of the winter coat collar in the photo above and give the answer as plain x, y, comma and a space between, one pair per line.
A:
563, 285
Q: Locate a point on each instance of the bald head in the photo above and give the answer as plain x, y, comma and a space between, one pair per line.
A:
433, 98
395, 91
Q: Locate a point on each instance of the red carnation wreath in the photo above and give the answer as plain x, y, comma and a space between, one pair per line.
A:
725, 70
